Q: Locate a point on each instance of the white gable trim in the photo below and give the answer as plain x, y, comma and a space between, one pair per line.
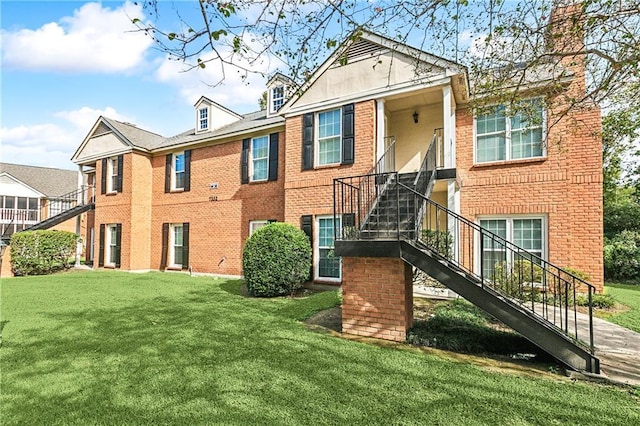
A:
368, 95
19, 182
128, 146
450, 68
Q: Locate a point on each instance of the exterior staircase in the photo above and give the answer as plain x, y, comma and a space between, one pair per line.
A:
75, 203
390, 214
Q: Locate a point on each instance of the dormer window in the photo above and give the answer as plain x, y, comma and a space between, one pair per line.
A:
277, 98
203, 118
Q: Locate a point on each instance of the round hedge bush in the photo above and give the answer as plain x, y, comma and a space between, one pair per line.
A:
276, 260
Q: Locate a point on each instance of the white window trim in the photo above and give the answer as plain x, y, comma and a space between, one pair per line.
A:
107, 244
316, 250
251, 179
172, 242
199, 122
256, 222
174, 172
272, 98
316, 138
509, 219
508, 137
112, 172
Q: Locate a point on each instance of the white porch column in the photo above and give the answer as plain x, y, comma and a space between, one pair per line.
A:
380, 130
449, 118
80, 200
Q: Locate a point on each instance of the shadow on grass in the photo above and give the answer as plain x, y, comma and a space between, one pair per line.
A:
207, 358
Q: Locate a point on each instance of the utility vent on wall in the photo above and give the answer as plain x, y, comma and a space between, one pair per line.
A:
101, 129
362, 49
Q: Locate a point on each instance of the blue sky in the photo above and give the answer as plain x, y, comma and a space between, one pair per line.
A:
66, 63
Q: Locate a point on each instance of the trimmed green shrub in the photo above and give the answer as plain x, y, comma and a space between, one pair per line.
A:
622, 256
598, 301
276, 260
41, 252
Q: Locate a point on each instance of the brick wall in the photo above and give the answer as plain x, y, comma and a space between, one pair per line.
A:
377, 297
310, 192
566, 186
218, 226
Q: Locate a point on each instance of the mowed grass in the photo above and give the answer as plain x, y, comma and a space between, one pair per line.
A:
628, 295
117, 348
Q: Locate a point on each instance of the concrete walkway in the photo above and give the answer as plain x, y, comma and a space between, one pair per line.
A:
618, 349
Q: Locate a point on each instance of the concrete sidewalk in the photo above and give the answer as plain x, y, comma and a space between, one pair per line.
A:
618, 349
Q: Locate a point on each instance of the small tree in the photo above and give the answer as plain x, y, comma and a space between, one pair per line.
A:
276, 260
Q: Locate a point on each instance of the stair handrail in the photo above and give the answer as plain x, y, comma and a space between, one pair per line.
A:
565, 282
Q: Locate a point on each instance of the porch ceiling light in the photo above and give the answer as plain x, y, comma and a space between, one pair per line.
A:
415, 116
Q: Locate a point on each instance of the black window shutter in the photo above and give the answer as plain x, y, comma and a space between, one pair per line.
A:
165, 245
185, 246
273, 156
307, 141
120, 172
118, 242
348, 134
101, 246
244, 161
103, 178
187, 170
306, 224
167, 173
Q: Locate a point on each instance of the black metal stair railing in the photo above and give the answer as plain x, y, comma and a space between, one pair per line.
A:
60, 207
523, 278
543, 289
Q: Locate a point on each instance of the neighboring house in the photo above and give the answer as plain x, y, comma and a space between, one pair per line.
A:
190, 201
31, 194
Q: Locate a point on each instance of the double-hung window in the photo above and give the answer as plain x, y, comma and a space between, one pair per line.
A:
110, 239
254, 225
328, 265
176, 245
203, 118
527, 233
329, 137
501, 136
277, 98
112, 174
259, 158
178, 171
112, 245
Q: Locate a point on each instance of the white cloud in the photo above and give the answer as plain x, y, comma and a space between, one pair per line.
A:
233, 88
95, 39
52, 144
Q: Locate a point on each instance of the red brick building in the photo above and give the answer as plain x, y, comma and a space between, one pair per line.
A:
190, 201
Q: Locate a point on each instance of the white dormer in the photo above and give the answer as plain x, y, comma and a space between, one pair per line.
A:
279, 88
211, 115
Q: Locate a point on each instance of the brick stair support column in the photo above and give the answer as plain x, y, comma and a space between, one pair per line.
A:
377, 297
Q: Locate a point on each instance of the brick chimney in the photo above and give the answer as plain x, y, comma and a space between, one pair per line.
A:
565, 40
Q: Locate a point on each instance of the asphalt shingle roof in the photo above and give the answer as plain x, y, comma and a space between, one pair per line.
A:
254, 120
144, 139
49, 181
137, 136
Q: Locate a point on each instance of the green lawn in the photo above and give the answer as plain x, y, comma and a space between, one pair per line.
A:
117, 348
628, 295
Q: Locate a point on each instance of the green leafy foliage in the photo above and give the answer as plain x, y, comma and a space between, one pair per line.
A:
598, 301
276, 260
439, 240
622, 256
462, 327
41, 252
